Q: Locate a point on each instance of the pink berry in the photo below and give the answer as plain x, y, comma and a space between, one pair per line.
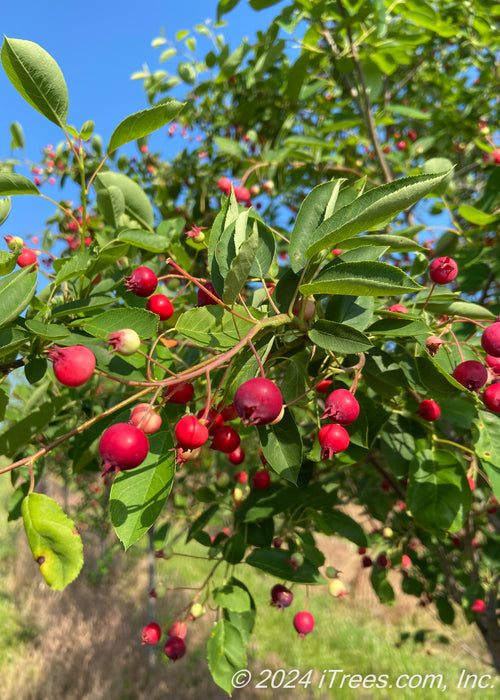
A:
26, 257
333, 439
226, 439
242, 194
179, 393
303, 623
443, 270
478, 606
341, 407
401, 145
398, 309
144, 416
161, 305
151, 634
175, 648
432, 344
491, 397
123, 446
237, 456
493, 363
241, 477
258, 401
261, 480
490, 339
125, 342
281, 597
471, 374
205, 299
429, 410
177, 629
190, 433
72, 366
142, 282
224, 184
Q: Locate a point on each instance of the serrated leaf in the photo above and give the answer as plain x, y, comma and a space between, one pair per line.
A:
138, 495
372, 208
339, 338
240, 268
13, 183
226, 654
144, 323
68, 268
282, 446
37, 77
111, 204
16, 292
213, 326
142, 123
371, 278
45, 330
53, 539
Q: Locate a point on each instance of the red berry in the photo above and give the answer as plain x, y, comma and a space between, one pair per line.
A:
190, 433
161, 305
303, 623
224, 184
281, 597
26, 257
323, 386
478, 606
151, 633
145, 418
471, 374
490, 340
261, 480
443, 270
205, 299
226, 439
241, 477
72, 366
177, 629
229, 412
401, 145
242, 194
237, 456
432, 344
494, 363
258, 401
366, 562
123, 446
213, 421
429, 410
333, 438
491, 397
142, 282
341, 407
398, 309
175, 648
179, 393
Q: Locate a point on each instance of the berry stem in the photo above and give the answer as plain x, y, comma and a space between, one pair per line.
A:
455, 444
457, 344
428, 298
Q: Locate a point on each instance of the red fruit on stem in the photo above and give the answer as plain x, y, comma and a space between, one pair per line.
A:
398, 309
123, 446
303, 623
493, 363
125, 342
478, 606
366, 562
161, 305
323, 386
177, 629
242, 194
205, 299
401, 145
213, 421
241, 477
175, 648
333, 439
471, 374
72, 366
26, 257
258, 401
237, 456
281, 597
432, 344
490, 339
142, 282
151, 634
341, 407
226, 439
261, 480
491, 397
229, 412
145, 418
443, 270
190, 433
179, 393
224, 184
429, 410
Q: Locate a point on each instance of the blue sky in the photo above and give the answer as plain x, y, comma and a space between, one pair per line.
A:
98, 46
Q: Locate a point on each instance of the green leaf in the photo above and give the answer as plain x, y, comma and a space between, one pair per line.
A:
316, 207
144, 323
445, 610
201, 521
87, 130
111, 204
37, 77
351, 311
80, 306
372, 208
243, 621
137, 204
339, 338
138, 495
458, 308
10, 340
296, 77
16, 131
225, 6
381, 585
68, 268
486, 436
275, 562
142, 123
7, 262
226, 654
213, 326
406, 111
476, 216
54, 542
399, 327
144, 240
229, 147
282, 446
240, 268
231, 597
396, 244
16, 292
335, 522
13, 183
45, 330
370, 278
5, 204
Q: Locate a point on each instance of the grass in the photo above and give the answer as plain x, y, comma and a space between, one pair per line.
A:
83, 643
